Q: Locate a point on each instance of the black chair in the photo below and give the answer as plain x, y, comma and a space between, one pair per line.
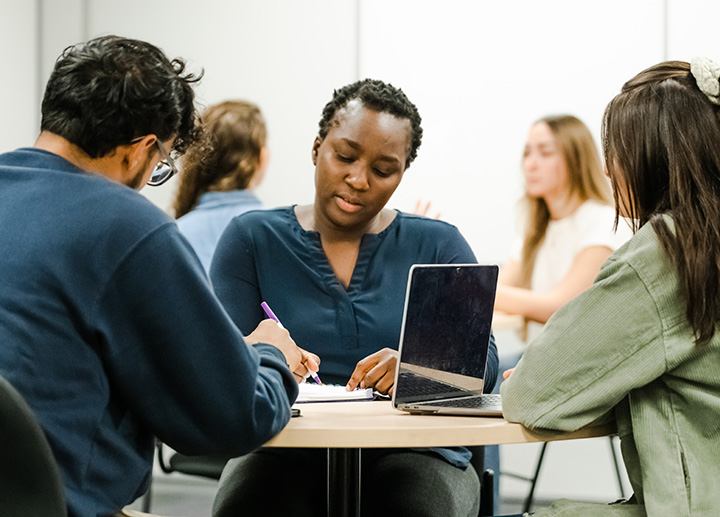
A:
30, 482
534, 478
208, 466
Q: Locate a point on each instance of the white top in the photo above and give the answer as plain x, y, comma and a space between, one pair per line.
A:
590, 225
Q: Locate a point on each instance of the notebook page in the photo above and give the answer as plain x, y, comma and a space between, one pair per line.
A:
310, 392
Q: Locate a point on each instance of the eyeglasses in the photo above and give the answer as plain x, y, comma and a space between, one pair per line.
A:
164, 170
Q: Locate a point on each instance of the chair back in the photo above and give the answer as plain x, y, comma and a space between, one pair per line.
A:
30, 482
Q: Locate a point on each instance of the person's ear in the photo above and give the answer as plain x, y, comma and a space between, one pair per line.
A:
139, 152
315, 147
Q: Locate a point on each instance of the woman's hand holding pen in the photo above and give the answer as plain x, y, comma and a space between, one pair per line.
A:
375, 371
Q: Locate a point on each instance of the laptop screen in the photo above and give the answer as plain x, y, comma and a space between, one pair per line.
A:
446, 331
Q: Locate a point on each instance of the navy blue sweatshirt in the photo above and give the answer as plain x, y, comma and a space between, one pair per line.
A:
110, 330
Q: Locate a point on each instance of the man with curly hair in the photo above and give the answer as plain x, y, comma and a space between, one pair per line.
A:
108, 325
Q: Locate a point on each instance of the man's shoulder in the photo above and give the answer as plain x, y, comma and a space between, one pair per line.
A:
102, 210
90, 199
113, 204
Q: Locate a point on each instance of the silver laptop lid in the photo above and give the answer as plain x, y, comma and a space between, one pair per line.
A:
445, 332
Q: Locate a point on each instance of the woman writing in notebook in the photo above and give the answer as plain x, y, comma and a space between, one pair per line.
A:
648, 327
570, 222
335, 273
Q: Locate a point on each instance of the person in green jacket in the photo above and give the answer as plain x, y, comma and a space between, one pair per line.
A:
641, 347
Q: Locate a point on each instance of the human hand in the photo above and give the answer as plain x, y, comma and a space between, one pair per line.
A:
273, 334
375, 371
309, 363
423, 208
508, 373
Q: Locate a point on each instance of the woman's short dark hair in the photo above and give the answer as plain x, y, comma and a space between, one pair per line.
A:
110, 90
381, 97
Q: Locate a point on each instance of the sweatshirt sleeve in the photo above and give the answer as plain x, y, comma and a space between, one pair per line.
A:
590, 355
177, 360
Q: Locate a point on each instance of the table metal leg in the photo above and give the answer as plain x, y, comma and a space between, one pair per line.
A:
343, 483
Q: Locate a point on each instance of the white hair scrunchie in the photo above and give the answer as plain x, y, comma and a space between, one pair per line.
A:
707, 74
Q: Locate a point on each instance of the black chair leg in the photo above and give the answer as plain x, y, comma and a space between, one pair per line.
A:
487, 493
528, 501
147, 499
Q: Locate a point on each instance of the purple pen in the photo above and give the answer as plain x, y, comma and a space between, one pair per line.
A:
271, 315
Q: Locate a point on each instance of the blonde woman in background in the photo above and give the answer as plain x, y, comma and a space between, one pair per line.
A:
569, 231
570, 225
216, 184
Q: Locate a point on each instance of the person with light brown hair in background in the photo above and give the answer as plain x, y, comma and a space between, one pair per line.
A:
216, 183
570, 222
569, 230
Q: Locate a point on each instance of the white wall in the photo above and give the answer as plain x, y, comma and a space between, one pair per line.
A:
285, 56
19, 111
62, 23
692, 29
480, 73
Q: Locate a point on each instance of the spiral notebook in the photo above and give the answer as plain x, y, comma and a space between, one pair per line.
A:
445, 339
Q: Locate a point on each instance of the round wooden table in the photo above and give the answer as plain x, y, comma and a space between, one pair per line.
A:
344, 428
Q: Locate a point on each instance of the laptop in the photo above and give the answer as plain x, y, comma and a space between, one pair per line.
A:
444, 341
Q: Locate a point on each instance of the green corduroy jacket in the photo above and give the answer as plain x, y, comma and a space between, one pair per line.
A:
623, 350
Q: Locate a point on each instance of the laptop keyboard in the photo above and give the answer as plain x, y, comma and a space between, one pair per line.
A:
417, 385
483, 401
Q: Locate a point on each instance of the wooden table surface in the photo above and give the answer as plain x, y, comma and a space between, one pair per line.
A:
378, 424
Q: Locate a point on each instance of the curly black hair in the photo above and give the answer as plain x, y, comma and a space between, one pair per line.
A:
110, 90
379, 96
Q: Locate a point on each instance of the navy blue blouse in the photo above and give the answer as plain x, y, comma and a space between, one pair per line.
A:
267, 256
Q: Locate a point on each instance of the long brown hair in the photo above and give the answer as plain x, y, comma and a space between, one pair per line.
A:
586, 180
661, 136
236, 131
